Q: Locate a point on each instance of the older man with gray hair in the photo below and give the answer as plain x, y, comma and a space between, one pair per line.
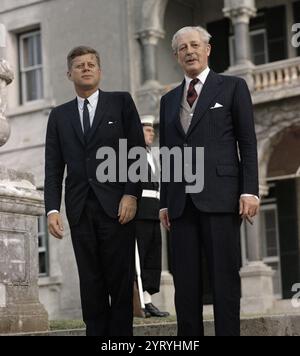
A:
215, 112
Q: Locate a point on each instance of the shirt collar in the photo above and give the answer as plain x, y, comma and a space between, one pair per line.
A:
202, 77
93, 100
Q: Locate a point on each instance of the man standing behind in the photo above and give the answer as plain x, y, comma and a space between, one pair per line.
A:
148, 227
215, 112
101, 215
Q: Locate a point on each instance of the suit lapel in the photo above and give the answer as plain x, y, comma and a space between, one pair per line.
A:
100, 113
177, 104
210, 90
75, 119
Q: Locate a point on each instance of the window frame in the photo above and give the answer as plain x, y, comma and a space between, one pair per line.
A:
37, 67
272, 259
251, 33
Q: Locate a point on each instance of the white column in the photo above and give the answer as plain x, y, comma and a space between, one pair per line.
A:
149, 32
240, 13
2, 41
149, 40
257, 277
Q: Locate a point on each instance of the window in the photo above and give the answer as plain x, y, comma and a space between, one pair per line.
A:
43, 247
259, 47
270, 243
219, 59
31, 67
296, 8
268, 36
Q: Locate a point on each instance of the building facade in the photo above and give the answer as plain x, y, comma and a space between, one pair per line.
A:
251, 39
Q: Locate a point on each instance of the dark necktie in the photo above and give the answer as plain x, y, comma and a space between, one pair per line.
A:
86, 118
192, 94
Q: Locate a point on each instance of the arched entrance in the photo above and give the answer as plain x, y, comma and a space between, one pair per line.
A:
280, 211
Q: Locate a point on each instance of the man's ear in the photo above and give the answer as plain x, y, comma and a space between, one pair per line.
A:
69, 75
208, 50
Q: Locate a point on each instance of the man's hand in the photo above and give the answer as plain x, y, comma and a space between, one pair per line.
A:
55, 226
249, 208
164, 219
127, 209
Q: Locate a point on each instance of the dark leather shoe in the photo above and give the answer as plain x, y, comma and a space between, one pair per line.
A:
147, 314
151, 309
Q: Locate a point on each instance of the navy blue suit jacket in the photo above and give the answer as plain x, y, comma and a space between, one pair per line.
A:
116, 118
228, 172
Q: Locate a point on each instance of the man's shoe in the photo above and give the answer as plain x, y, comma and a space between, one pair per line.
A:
153, 311
146, 313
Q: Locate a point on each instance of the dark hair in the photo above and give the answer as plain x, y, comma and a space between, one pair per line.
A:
81, 51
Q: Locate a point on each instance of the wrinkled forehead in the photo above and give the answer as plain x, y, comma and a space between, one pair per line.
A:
189, 37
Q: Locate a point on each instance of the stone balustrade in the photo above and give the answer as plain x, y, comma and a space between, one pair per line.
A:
277, 75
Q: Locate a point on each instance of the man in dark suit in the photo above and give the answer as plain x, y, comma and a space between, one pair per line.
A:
215, 112
148, 231
101, 215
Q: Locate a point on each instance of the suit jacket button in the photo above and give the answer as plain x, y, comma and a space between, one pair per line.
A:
90, 180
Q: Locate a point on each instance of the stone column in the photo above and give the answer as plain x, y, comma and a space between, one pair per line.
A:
257, 277
149, 32
2, 41
150, 91
149, 40
20, 204
165, 299
240, 13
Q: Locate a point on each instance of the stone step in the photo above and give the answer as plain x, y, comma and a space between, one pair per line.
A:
277, 325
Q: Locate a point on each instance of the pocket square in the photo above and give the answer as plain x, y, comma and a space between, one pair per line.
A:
217, 106
111, 123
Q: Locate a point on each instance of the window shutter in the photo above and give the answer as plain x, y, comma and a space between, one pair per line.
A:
296, 7
277, 35
286, 194
219, 58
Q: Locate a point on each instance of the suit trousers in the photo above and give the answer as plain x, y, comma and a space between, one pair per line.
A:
150, 249
218, 236
105, 255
